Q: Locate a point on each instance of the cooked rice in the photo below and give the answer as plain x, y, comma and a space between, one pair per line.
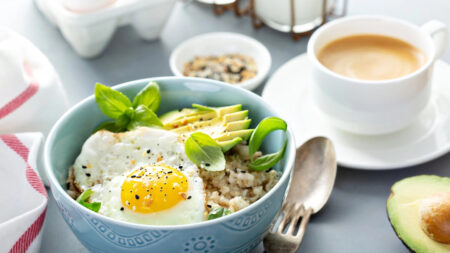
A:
237, 186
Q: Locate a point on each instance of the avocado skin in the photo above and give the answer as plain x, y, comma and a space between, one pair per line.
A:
393, 228
441, 182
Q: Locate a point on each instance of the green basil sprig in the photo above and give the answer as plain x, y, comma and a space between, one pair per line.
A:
127, 115
84, 197
218, 212
265, 127
203, 150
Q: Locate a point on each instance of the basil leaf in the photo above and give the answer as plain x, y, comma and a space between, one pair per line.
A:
149, 96
110, 126
218, 212
203, 150
265, 127
112, 103
268, 161
94, 206
203, 108
144, 117
122, 122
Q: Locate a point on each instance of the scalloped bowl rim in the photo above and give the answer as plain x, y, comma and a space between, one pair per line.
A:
54, 185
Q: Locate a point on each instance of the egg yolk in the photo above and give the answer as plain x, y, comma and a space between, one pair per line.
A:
153, 188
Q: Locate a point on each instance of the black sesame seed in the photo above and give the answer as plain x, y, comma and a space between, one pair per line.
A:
207, 164
83, 166
121, 209
189, 197
209, 206
88, 174
180, 109
148, 151
243, 171
148, 190
136, 196
180, 167
170, 172
133, 176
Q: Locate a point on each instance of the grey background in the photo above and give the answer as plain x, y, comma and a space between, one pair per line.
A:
354, 220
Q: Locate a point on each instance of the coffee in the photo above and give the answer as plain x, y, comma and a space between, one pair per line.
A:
371, 57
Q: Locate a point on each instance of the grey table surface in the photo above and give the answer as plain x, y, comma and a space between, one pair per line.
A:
354, 219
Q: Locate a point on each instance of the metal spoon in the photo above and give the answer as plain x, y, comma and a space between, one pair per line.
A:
310, 187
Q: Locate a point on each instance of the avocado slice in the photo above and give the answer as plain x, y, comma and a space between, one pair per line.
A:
176, 114
227, 145
419, 211
226, 124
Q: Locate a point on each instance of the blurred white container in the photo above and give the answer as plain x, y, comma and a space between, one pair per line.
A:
277, 14
88, 25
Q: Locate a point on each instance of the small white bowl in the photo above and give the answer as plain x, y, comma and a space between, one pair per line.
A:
215, 44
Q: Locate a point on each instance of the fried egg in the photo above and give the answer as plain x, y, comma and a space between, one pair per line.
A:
141, 176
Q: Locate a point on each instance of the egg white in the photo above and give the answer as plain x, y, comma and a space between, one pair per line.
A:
107, 158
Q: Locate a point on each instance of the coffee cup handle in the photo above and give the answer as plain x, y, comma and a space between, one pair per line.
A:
438, 32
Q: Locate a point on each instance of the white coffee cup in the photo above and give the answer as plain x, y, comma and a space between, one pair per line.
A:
375, 107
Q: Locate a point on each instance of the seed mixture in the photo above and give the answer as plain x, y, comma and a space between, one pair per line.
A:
229, 68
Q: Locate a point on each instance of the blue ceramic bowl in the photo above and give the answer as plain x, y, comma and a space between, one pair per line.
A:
238, 232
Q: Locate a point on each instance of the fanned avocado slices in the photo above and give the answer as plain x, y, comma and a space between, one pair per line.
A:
228, 125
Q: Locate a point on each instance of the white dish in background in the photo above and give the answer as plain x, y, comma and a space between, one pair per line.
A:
215, 44
89, 32
218, 2
288, 90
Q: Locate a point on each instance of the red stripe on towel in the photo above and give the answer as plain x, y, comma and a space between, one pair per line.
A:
23, 97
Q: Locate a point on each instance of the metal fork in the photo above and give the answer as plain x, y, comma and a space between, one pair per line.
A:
286, 237
310, 187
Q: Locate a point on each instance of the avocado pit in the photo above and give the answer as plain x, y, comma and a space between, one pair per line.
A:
435, 217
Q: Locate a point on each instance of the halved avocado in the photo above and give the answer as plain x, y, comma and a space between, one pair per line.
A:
419, 211
228, 125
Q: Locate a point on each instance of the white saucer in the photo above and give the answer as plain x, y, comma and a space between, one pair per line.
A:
426, 139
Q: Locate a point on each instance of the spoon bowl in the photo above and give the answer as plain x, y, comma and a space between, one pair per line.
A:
314, 174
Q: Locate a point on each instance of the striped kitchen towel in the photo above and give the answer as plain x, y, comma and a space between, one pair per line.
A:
23, 196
